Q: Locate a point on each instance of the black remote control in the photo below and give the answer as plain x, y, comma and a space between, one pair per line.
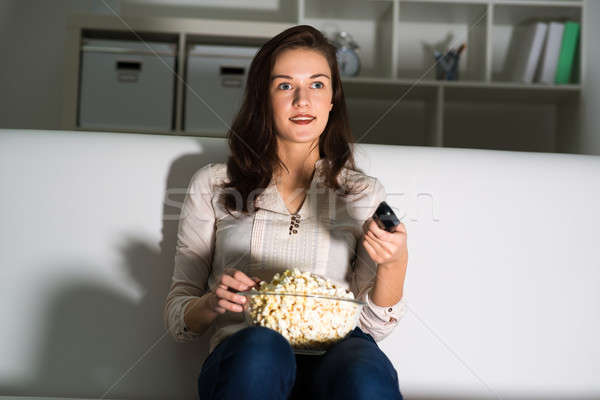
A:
385, 217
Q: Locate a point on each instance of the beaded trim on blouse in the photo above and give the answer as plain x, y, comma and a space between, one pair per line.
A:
294, 223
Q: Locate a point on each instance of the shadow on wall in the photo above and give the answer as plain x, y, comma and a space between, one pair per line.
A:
91, 344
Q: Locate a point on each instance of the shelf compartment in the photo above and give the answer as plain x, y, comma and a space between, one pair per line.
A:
385, 111
370, 24
425, 26
512, 127
508, 19
378, 121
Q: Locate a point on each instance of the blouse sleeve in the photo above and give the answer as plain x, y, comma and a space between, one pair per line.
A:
376, 320
193, 253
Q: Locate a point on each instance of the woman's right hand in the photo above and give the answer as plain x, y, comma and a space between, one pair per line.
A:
225, 297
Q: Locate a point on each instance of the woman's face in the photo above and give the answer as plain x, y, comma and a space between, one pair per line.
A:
300, 84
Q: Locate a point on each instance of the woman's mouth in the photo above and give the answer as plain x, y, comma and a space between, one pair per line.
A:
302, 120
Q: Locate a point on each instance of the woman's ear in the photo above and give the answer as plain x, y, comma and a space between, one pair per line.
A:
330, 107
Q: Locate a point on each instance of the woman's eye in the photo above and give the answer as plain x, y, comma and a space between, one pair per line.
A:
282, 84
320, 83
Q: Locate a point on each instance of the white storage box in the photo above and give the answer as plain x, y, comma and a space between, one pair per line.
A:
216, 78
126, 85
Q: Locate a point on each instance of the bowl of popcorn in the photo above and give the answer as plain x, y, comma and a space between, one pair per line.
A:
310, 311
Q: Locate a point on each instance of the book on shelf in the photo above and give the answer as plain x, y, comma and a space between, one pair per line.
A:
545, 51
565, 71
559, 62
528, 42
577, 61
546, 70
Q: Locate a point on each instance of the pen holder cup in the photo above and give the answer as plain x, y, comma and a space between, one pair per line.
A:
446, 67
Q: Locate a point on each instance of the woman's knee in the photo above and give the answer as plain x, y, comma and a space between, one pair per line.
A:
258, 345
253, 363
359, 370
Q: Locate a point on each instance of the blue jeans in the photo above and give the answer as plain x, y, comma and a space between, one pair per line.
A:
259, 363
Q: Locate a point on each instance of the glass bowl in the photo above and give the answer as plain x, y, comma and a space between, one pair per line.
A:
310, 323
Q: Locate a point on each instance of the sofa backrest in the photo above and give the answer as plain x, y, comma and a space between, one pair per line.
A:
502, 281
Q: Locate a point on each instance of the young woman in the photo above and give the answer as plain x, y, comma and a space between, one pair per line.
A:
289, 196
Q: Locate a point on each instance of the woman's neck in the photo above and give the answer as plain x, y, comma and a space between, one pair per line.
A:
300, 165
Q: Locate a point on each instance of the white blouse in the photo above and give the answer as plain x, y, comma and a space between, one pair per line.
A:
327, 242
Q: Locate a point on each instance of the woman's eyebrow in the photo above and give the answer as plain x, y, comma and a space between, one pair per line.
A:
289, 77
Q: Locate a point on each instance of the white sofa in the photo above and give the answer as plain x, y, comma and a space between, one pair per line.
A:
503, 283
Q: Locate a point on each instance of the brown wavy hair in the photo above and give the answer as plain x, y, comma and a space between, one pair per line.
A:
252, 139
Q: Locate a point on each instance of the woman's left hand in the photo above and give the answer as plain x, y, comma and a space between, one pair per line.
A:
386, 248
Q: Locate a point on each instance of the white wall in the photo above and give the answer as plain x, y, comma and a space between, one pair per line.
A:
5, 11
32, 45
256, 10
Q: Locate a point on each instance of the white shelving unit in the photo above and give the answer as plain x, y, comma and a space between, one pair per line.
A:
395, 99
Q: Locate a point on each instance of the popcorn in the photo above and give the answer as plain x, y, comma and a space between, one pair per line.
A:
306, 322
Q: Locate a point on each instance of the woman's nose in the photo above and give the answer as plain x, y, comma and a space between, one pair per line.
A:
301, 97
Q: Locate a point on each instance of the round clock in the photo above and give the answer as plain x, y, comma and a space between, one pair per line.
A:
347, 57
